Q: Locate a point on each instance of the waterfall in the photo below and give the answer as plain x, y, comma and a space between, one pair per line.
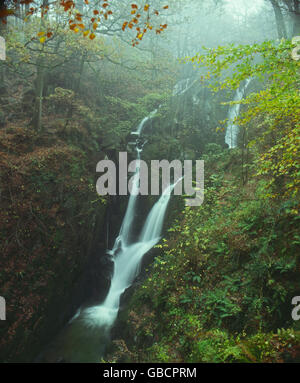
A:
126, 226
127, 256
143, 122
234, 110
155, 219
181, 87
85, 337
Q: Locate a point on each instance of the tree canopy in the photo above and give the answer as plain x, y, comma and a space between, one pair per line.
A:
88, 16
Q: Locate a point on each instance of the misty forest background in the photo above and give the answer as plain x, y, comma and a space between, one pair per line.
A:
74, 84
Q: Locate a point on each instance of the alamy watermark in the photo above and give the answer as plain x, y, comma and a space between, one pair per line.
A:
183, 175
296, 309
296, 51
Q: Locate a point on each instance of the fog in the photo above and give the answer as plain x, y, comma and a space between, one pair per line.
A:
83, 81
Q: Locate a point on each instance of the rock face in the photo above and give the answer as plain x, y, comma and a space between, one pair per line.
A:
52, 239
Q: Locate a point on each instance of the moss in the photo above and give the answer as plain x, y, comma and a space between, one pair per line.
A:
48, 220
221, 287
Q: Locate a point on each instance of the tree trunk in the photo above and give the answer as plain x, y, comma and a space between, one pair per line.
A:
81, 66
17, 12
79, 5
296, 18
2, 20
39, 88
281, 28
26, 9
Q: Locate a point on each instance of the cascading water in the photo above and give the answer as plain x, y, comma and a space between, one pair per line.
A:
234, 110
183, 86
126, 256
84, 339
144, 121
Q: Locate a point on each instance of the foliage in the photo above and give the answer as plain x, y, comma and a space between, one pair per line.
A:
86, 19
49, 208
277, 104
222, 285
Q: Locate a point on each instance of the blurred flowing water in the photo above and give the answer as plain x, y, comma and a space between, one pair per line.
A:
85, 337
232, 129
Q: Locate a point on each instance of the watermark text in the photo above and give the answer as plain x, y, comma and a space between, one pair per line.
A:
139, 182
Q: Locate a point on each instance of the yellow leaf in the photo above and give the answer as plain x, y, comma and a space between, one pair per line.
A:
42, 40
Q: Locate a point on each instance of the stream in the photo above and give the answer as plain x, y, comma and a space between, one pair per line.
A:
86, 336
232, 129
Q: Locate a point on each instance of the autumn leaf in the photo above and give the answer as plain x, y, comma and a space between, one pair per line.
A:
4, 13
92, 36
146, 7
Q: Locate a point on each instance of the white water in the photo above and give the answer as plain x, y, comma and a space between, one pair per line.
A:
127, 256
86, 335
143, 122
183, 86
232, 129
